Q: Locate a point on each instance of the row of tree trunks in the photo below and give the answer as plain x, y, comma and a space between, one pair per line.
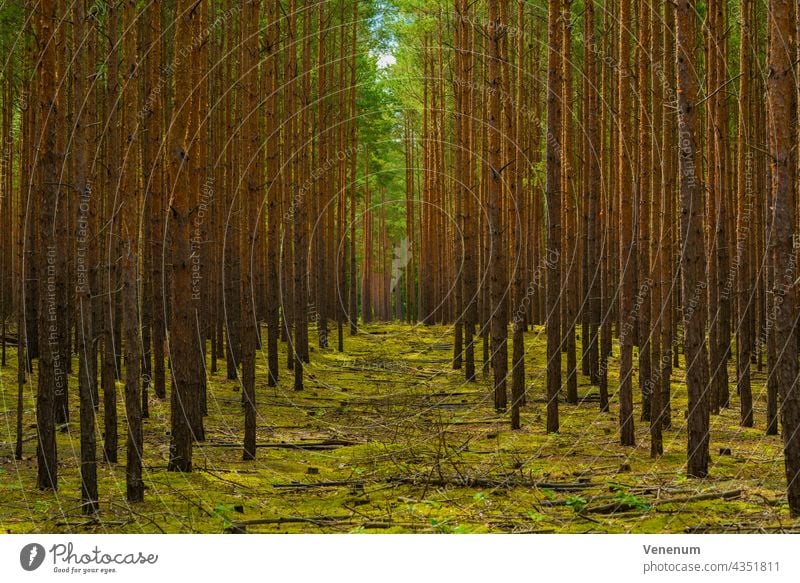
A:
227, 104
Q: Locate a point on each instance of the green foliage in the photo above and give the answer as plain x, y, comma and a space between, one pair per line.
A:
577, 503
480, 497
631, 501
223, 511
444, 527
536, 516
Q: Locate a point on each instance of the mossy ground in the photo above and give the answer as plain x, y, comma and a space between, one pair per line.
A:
418, 434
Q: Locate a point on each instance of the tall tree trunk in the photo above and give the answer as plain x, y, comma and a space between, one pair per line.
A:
644, 63
58, 239
184, 356
518, 218
553, 194
627, 293
569, 238
745, 206
782, 129
130, 255
113, 154
721, 220
669, 174
274, 186
47, 164
353, 282
155, 183
497, 265
249, 18
592, 178
693, 243
24, 196
85, 257
298, 215
659, 259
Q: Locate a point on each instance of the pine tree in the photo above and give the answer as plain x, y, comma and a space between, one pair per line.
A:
692, 243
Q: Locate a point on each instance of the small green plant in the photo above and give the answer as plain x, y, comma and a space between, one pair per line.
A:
222, 511
443, 527
536, 516
480, 497
577, 503
631, 501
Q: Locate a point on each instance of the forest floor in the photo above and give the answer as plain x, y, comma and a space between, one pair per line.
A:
386, 437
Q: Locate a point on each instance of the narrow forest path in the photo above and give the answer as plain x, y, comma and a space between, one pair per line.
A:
387, 437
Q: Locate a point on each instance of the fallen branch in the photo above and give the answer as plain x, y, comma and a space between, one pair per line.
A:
621, 506
292, 520
306, 446
729, 495
465, 482
475, 482
312, 485
742, 529
94, 522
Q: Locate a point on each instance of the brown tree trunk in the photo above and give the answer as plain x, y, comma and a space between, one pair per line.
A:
553, 195
569, 233
85, 257
518, 218
460, 194
249, 17
155, 183
745, 337
592, 178
299, 203
627, 293
274, 187
353, 282
609, 191
113, 156
24, 195
58, 238
498, 274
184, 355
669, 174
47, 165
659, 259
645, 282
130, 255
231, 274
721, 220
782, 128
693, 243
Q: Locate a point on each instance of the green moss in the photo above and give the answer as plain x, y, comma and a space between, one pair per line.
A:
417, 429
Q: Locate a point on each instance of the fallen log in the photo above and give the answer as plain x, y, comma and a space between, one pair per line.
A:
241, 527
622, 506
305, 446
465, 482
729, 495
322, 484
293, 520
